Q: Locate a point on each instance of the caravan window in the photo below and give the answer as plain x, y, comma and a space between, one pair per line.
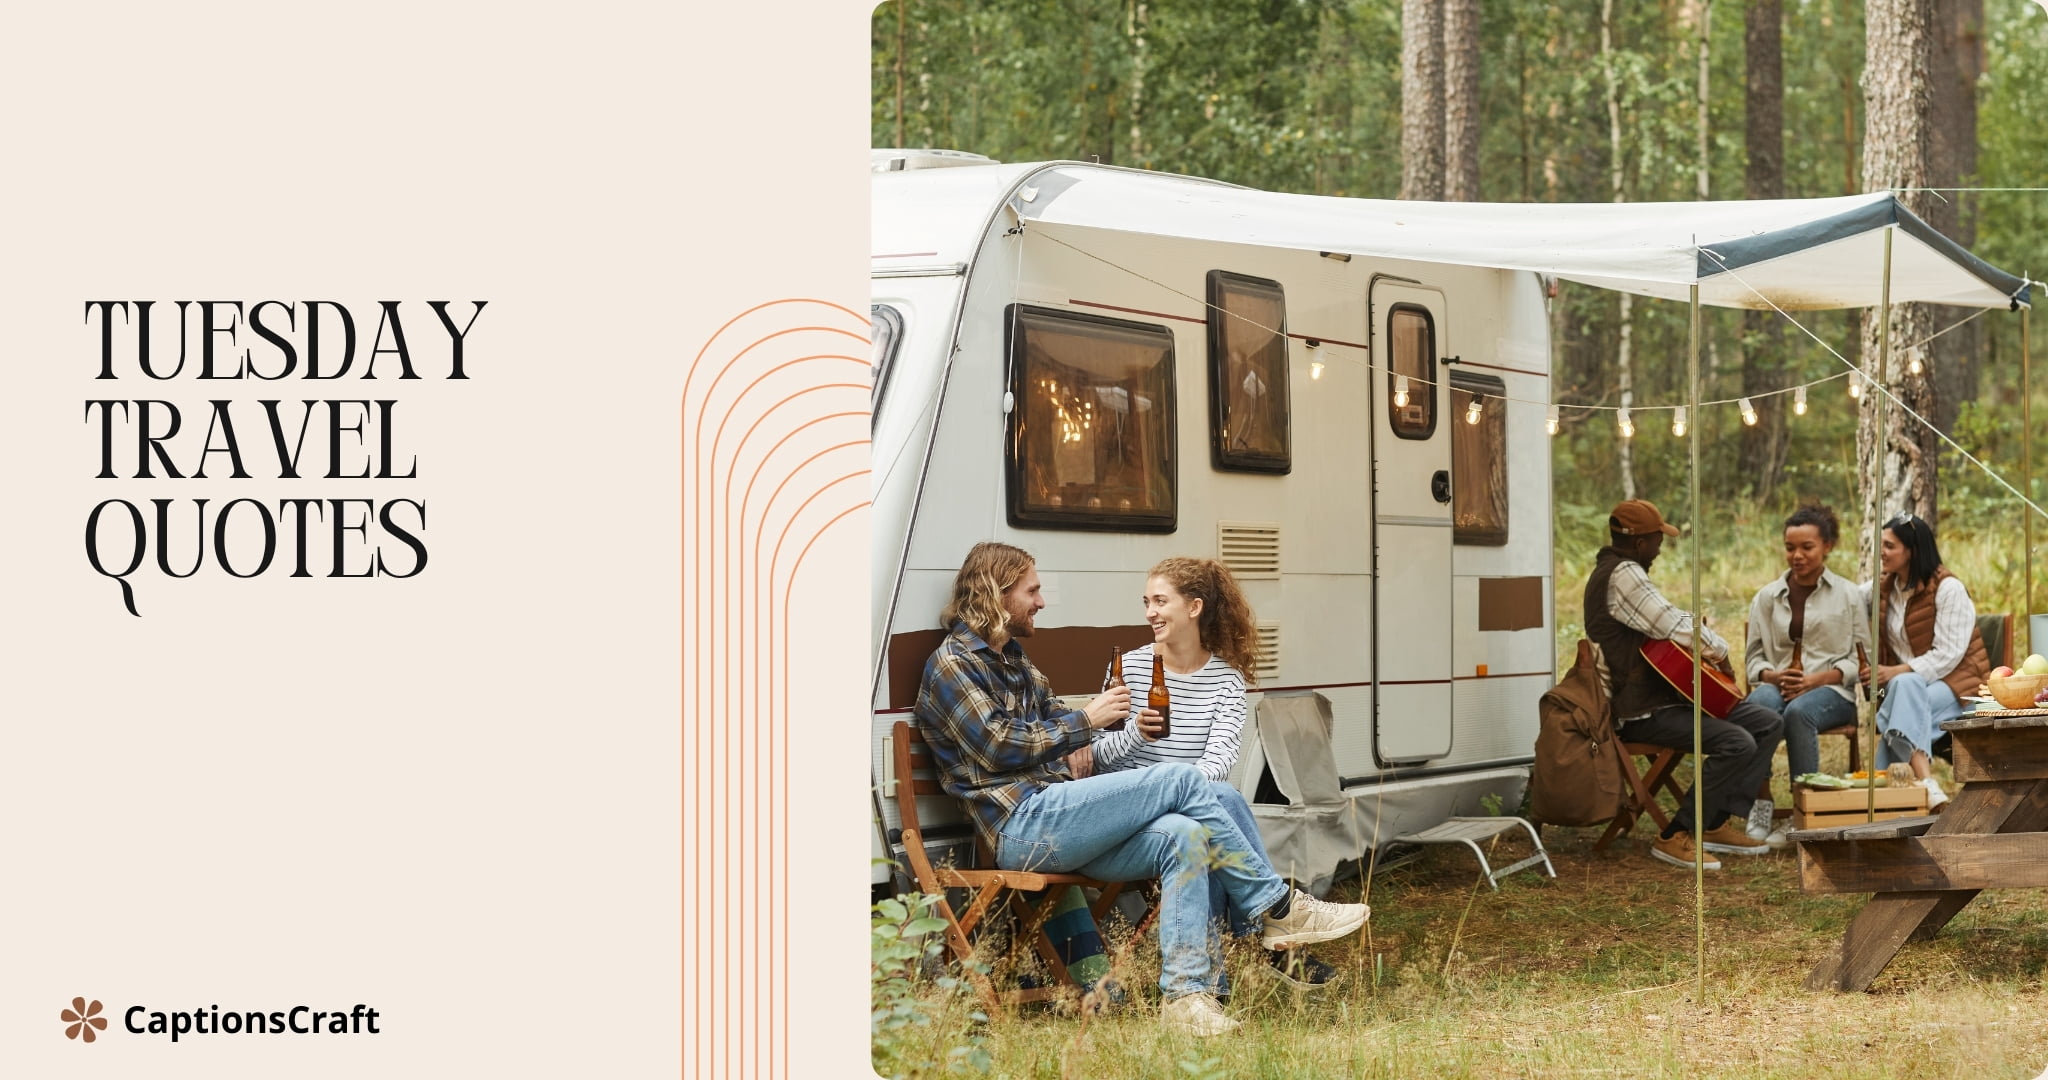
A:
887, 332
1479, 460
1092, 423
1247, 374
1411, 356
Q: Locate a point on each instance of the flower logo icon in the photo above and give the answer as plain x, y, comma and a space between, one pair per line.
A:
83, 1020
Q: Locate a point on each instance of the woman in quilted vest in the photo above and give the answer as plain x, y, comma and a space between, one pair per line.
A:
1931, 652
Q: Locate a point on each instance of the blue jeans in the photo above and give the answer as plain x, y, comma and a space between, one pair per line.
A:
1806, 717
1909, 718
1166, 822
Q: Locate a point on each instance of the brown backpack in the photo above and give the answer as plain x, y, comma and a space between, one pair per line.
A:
1576, 779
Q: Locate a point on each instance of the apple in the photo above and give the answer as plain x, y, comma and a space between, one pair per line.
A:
2000, 672
2035, 665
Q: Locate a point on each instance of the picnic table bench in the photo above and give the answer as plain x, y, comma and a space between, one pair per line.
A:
1922, 871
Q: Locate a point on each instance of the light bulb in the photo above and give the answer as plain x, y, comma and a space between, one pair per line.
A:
1400, 391
1748, 412
1914, 366
1855, 386
1628, 427
1678, 422
1315, 369
1472, 410
1550, 421
1799, 401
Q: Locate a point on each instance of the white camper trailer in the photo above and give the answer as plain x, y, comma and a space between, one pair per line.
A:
1360, 439
1343, 399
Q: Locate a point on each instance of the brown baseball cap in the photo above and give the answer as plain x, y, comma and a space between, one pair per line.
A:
1639, 518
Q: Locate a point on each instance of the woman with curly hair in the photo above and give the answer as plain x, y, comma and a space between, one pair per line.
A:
1203, 628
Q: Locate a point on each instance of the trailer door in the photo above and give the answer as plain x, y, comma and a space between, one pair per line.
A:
1411, 439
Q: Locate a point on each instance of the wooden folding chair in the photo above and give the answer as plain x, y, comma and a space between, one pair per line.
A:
917, 776
1640, 795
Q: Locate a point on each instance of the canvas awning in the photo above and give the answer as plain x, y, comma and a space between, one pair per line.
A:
1799, 254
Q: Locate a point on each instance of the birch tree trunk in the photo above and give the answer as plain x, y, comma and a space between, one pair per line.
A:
1134, 31
1896, 142
1624, 377
1762, 456
1422, 99
1461, 100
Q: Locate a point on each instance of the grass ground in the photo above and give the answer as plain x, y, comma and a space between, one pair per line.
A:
1594, 973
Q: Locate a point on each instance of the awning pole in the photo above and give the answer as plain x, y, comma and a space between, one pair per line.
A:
1699, 622
1882, 405
2027, 460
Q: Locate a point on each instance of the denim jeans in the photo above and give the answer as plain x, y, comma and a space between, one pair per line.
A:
1806, 717
1910, 716
1166, 822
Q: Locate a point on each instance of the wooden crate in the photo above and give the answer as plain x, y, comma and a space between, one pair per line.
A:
1822, 808
1804, 820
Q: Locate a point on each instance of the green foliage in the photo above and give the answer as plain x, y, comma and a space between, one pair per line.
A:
917, 1024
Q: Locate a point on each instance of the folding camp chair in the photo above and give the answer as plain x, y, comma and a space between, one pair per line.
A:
915, 777
1639, 797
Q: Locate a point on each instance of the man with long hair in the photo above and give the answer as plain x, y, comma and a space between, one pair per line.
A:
999, 736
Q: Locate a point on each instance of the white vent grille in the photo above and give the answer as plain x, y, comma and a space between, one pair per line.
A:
1250, 548
1269, 652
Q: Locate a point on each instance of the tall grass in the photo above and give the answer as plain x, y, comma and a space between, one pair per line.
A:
1590, 974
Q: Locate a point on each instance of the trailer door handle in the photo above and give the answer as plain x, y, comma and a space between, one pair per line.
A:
1440, 485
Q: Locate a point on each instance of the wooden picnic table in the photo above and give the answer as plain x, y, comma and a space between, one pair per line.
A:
1993, 834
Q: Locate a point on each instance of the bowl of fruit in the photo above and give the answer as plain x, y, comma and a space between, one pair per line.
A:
2022, 689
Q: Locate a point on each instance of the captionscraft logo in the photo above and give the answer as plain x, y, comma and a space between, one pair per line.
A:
82, 1020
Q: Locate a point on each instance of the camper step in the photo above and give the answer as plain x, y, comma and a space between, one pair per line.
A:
1470, 830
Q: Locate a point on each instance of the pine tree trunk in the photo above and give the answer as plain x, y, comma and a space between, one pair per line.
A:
1461, 100
1956, 61
1762, 456
1896, 136
1422, 99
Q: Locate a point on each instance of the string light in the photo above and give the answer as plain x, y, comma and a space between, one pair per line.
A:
1748, 412
1550, 421
1472, 410
1628, 427
1400, 391
1678, 422
1914, 365
1855, 386
1315, 369
1799, 401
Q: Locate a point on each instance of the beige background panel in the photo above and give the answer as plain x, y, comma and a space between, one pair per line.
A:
458, 797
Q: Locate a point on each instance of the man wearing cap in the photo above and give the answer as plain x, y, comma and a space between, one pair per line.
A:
1623, 610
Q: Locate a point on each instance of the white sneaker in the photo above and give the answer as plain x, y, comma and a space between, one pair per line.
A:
1935, 796
1776, 840
1196, 1014
1760, 814
1310, 920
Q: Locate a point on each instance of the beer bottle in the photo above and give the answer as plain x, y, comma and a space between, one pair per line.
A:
1158, 698
1114, 677
1863, 658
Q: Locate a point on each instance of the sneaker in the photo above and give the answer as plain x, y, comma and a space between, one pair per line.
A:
1732, 839
1195, 1014
1309, 920
1677, 850
1761, 813
1776, 840
1300, 970
1935, 796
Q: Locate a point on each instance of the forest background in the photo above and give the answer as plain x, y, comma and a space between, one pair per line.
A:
1536, 101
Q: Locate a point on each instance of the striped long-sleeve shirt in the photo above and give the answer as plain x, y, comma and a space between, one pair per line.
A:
995, 729
1208, 717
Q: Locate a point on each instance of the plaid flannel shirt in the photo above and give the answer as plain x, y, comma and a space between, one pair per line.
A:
994, 727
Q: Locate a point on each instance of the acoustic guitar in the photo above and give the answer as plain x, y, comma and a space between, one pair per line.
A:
1718, 697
